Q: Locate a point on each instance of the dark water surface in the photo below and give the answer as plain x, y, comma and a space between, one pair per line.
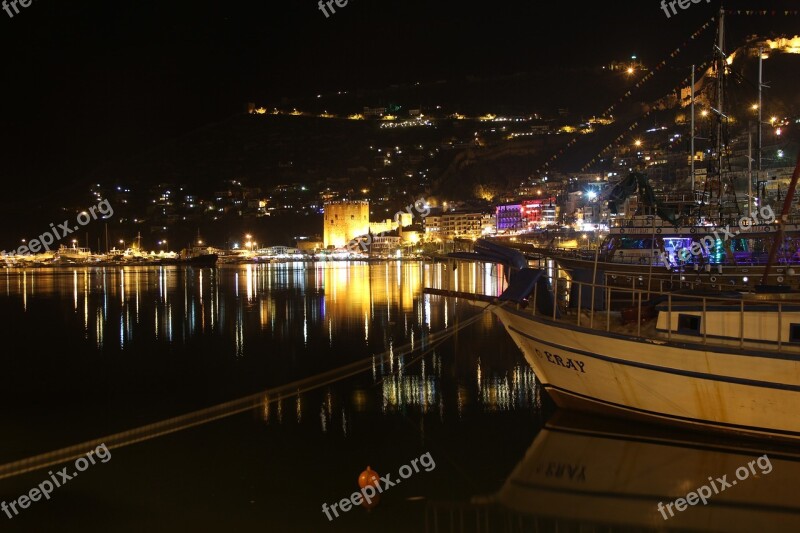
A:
94, 351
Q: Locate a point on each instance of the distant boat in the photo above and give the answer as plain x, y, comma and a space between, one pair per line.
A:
74, 254
195, 256
205, 260
129, 254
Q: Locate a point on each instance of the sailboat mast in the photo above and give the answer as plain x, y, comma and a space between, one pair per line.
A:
749, 171
720, 87
692, 147
760, 98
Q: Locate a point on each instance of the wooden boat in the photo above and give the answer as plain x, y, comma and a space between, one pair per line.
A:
707, 361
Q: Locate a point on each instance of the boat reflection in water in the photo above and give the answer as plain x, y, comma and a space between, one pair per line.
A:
581, 470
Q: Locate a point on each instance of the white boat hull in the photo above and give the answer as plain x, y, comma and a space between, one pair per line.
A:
704, 387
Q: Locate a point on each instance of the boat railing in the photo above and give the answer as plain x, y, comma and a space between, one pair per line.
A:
612, 307
707, 224
649, 256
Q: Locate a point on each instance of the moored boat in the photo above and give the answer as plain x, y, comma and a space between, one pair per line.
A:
195, 256
723, 362
73, 254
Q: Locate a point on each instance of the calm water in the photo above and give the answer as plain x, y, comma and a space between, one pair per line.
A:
94, 351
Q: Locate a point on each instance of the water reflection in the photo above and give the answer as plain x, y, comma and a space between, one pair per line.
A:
398, 387
165, 341
582, 473
182, 303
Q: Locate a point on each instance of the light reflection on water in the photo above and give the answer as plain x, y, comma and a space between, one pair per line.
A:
239, 329
184, 302
472, 400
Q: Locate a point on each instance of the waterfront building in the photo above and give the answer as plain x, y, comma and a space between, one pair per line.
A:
465, 224
345, 220
509, 217
432, 224
385, 244
540, 212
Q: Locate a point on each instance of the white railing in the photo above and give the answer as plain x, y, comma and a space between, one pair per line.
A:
639, 303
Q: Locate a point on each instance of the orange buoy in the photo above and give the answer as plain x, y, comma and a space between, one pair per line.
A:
368, 477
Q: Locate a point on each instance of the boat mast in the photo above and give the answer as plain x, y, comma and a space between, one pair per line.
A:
720, 88
749, 171
720, 82
692, 147
760, 95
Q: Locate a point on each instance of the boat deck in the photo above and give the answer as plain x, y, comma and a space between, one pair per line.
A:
764, 322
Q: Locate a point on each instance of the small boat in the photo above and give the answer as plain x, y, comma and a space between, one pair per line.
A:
195, 256
74, 254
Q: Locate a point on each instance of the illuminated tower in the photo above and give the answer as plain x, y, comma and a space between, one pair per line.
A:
345, 220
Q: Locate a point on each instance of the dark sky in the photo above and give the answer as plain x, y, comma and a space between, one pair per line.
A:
92, 81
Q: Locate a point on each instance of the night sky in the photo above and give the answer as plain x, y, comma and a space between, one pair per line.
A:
87, 82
